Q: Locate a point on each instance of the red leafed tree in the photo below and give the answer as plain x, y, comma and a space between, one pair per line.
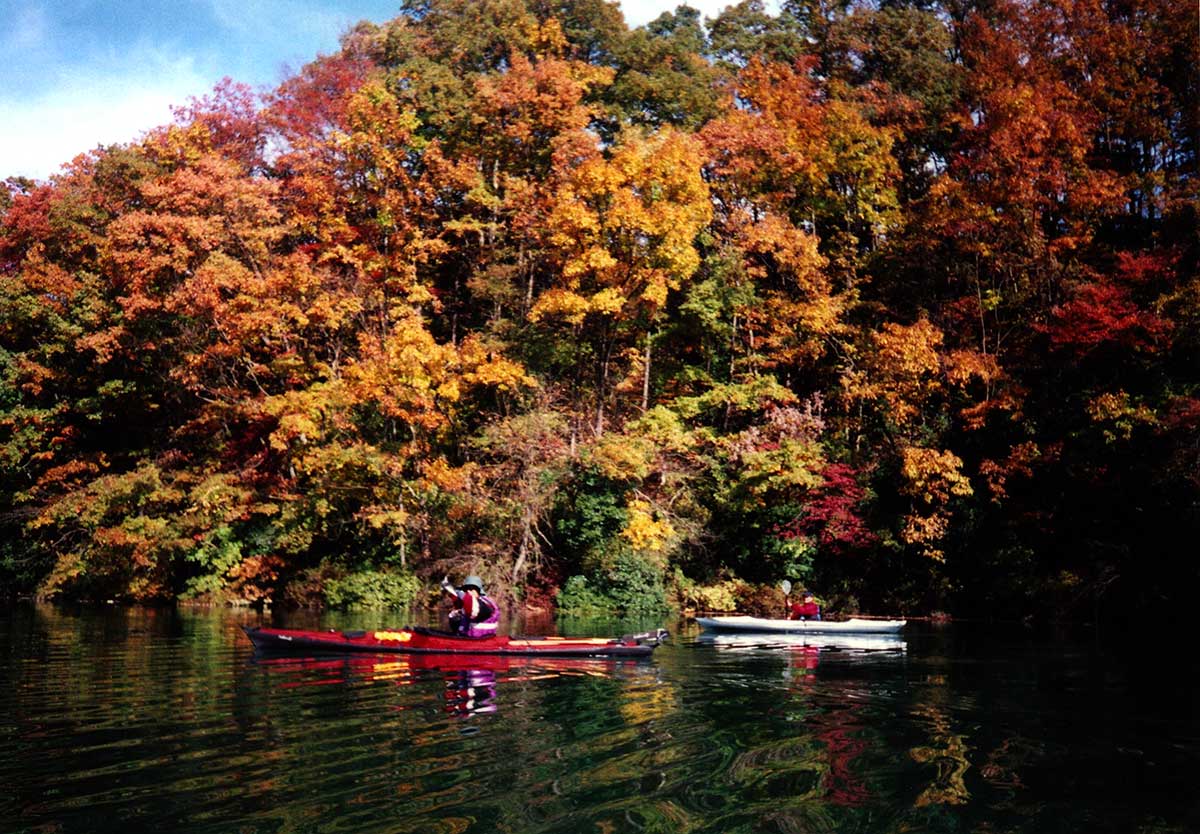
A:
832, 513
1104, 313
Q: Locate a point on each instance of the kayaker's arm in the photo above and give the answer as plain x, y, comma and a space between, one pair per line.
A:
456, 595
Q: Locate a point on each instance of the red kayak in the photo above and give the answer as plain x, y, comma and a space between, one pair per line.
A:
427, 641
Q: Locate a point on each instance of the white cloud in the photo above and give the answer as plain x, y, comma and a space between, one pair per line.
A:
39, 134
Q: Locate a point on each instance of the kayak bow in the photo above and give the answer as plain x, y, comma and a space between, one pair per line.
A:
428, 641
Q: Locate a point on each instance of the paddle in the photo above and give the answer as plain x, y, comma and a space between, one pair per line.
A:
786, 587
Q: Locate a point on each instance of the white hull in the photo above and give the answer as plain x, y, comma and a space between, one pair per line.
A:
762, 625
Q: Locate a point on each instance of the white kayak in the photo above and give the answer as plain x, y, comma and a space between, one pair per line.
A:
781, 626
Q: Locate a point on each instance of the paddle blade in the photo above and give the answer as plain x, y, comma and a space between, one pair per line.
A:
786, 585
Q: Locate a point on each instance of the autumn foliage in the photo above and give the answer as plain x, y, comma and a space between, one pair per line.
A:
506, 287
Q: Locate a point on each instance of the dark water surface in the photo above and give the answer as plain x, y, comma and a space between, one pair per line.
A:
129, 720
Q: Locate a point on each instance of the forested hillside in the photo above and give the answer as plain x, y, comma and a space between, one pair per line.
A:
899, 301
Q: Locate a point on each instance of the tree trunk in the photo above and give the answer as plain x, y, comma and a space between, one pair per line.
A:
523, 551
646, 377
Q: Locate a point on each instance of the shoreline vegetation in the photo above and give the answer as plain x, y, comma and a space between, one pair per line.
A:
899, 302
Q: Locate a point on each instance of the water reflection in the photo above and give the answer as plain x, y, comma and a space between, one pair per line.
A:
133, 720
829, 642
471, 682
826, 738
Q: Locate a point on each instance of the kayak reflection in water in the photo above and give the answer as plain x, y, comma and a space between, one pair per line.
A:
471, 692
475, 614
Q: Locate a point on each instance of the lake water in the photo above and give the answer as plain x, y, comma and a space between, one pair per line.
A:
131, 720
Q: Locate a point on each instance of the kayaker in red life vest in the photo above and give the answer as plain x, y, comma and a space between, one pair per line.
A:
475, 614
807, 609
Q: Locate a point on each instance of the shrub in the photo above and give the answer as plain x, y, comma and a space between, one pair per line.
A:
217, 554
760, 601
578, 597
626, 584
372, 590
635, 584
719, 596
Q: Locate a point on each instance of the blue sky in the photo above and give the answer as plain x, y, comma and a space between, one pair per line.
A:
79, 73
